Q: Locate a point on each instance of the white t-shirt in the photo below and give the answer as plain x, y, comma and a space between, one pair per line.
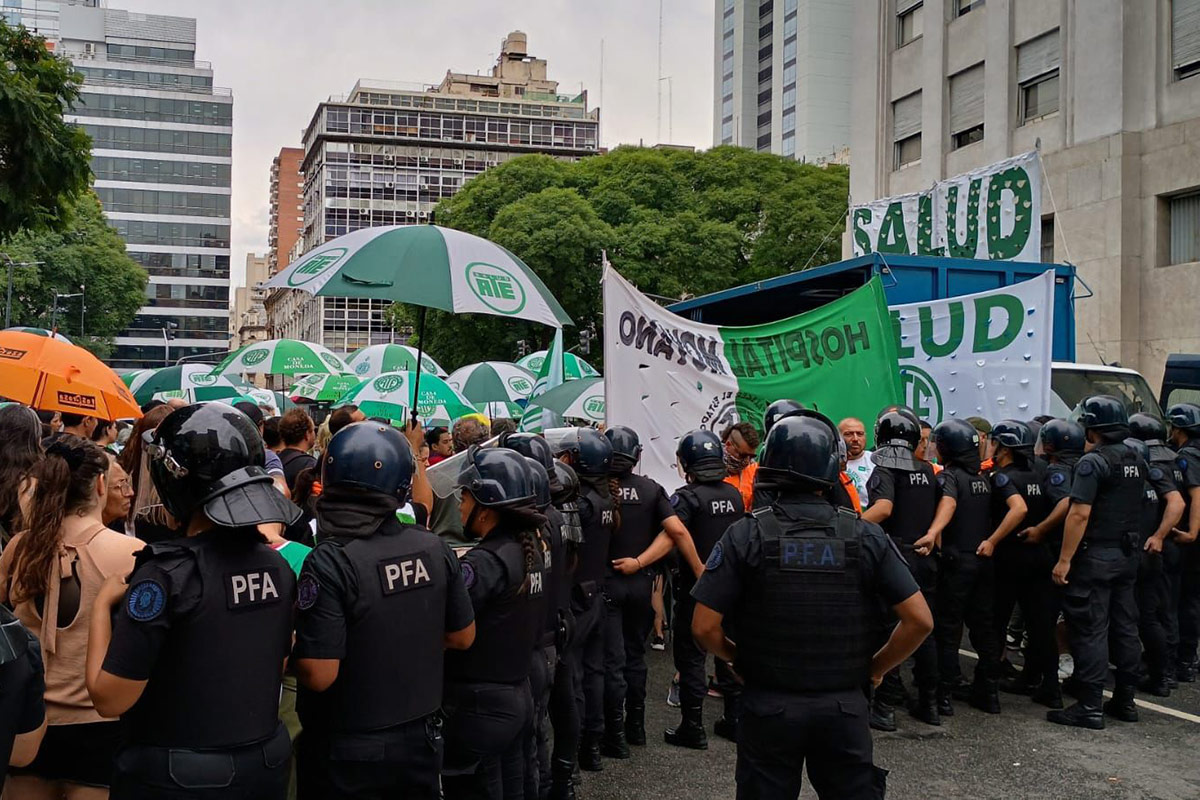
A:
860, 469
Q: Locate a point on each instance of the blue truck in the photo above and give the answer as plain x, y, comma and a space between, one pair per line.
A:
912, 279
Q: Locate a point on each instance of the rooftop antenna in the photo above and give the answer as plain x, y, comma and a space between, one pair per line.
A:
658, 84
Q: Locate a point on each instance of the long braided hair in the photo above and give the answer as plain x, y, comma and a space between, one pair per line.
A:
533, 545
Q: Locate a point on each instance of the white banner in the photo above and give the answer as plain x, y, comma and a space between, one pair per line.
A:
986, 354
992, 213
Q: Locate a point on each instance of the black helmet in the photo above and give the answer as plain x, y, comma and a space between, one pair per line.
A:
801, 450
1138, 446
532, 446
568, 484
701, 455
777, 411
956, 440
1151, 430
209, 457
590, 450
626, 447
1015, 435
1062, 437
541, 483
1185, 416
498, 478
897, 434
369, 455
1103, 412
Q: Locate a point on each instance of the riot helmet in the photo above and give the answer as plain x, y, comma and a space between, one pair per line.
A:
1185, 417
1103, 413
801, 452
541, 483
368, 455
498, 478
1015, 435
208, 457
567, 484
591, 453
1151, 430
626, 447
956, 441
1138, 446
1062, 437
777, 411
897, 434
532, 446
700, 455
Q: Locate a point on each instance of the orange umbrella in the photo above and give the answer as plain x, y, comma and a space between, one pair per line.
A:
52, 375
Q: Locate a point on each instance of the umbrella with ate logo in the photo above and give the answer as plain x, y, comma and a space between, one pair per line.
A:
281, 357
192, 382
578, 399
493, 382
391, 394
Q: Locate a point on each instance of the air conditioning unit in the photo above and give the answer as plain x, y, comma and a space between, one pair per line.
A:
89, 48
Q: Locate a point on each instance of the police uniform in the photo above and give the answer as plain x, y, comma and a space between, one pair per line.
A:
22, 685
802, 580
1152, 591
706, 509
544, 665
1188, 463
564, 712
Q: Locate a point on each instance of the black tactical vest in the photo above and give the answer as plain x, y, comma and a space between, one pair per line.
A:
914, 505
216, 682
805, 622
392, 672
596, 516
718, 505
1117, 509
639, 498
509, 626
972, 519
557, 577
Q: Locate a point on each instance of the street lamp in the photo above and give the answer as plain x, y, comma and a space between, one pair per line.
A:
55, 308
168, 333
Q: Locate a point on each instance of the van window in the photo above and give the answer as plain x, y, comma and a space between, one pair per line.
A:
1071, 386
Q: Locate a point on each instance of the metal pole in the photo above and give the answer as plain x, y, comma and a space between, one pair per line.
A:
416, 395
8, 302
82, 306
167, 346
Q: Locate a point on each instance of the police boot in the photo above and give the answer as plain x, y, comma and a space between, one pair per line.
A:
1169, 676
960, 688
614, 744
1083, 714
689, 732
561, 785
944, 705
925, 708
1024, 683
1155, 685
1121, 705
1049, 694
1185, 671
726, 728
883, 716
635, 725
589, 752
985, 695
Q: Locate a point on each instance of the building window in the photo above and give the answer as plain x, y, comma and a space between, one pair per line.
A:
906, 130
727, 132
966, 107
1185, 38
967, 6
908, 21
1037, 77
1047, 255
764, 142
789, 144
1184, 222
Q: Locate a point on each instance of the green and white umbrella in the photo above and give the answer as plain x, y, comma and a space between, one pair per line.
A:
493, 381
129, 375
390, 395
193, 382
380, 358
574, 367
578, 399
321, 388
39, 332
281, 357
500, 408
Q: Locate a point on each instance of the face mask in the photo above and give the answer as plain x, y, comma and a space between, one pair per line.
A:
735, 463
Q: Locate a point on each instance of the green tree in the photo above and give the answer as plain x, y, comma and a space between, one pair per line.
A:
675, 223
87, 252
44, 160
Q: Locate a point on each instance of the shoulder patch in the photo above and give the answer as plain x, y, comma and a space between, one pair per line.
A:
1057, 479
1156, 474
1183, 464
468, 573
675, 499
146, 600
1084, 468
715, 557
306, 592
1001, 479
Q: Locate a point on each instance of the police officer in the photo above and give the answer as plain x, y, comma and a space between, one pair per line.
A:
488, 704
706, 505
1162, 509
645, 514
803, 580
1184, 419
966, 576
563, 710
590, 454
843, 495
903, 494
378, 602
22, 700
1098, 566
1023, 561
194, 657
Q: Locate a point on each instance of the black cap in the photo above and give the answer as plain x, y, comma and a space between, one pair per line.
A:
369, 455
626, 447
498, 478
778, 410
801, 451
1103, 412
701, 455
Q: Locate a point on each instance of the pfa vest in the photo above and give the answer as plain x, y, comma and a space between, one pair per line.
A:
1117, 509
639, 497
718, 505
597, 515
557, 576
805, 623
972, 519
914, 505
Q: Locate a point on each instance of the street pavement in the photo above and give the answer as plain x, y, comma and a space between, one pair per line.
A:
972, 755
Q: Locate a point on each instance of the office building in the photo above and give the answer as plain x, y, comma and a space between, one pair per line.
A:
388, 152
162, 156
248, 320
287, 207
1108, 90
782, 76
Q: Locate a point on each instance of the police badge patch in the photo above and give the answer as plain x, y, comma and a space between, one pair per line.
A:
306, 592
1001, 480
1156, 474
468, 573
1085, 468
146, 600
715, 557
1058, 479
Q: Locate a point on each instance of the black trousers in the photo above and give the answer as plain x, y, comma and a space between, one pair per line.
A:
537, 746
1189, 601
487, 725
627, 623
965, 595
564, 710
1023, 577
689, 656
1153, 596
779, 732
253, 772
1172, 573
586, 658
404, 761
1098, 603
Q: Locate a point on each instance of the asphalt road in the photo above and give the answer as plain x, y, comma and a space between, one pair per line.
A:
973, 755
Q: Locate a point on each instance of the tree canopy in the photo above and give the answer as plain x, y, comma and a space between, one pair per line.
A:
44, 160
87, 252
675, 223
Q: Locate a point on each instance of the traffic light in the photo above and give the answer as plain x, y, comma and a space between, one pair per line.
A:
522, 348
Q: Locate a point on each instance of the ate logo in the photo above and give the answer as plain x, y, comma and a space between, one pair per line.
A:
496, 287
203, 379
333, 361
362, 368
520, 385
315, 266
256, 356
388, 383
921, 393
594, 408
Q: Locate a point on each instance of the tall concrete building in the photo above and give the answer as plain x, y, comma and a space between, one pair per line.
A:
387, 153
782, 76
162, 156
287, 207
1108, 90
248, 322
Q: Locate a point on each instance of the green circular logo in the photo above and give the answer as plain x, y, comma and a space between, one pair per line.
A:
202, 379
594, 407
921, 393
427, 365
255, 356
496, 287
520, 385
362, 368
314, 266
333, 361
535, 363
387, 383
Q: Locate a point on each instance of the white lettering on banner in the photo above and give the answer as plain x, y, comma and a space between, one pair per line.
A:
992, 213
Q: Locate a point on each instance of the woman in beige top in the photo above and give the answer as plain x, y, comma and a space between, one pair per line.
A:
50, 574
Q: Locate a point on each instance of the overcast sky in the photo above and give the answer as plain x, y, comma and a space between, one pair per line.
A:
282, 58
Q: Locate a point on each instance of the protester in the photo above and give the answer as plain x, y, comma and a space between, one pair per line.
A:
445, 520
148, 520
441, 444
298, 433
20, 430
741, 443
272, 462
105, 433
79, 425
503, 425
120, 496
343, 416
858, 457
